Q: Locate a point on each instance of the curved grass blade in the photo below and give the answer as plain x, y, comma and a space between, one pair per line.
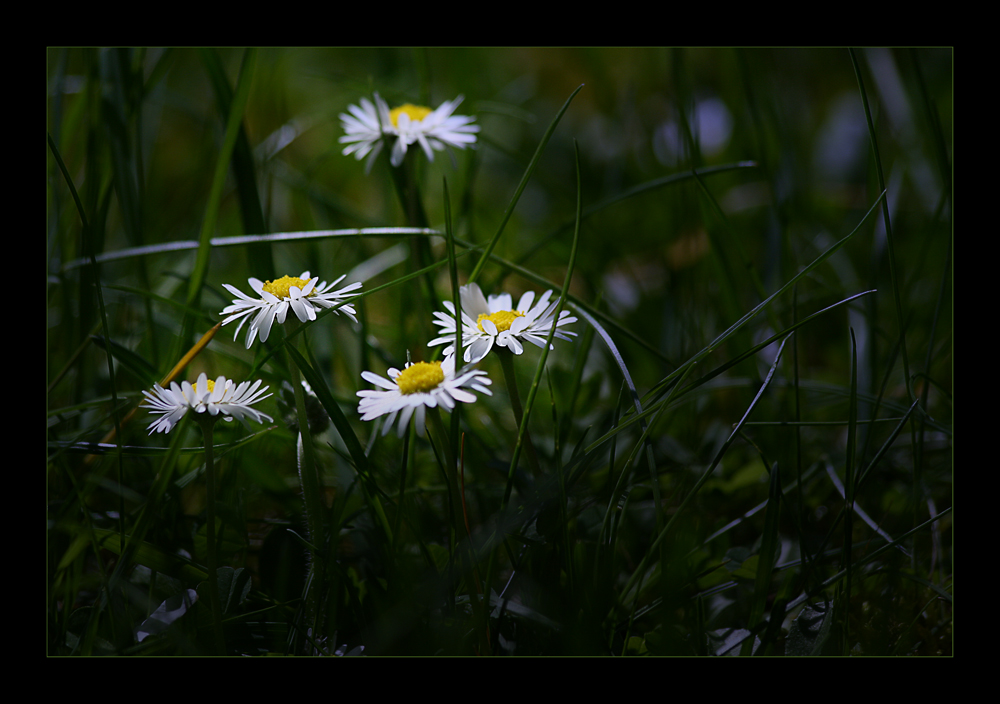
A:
524, 182
635, 399
88, 246
540, 367
640, 571
893, 271
632, 192
678, 375
134, 362
104, 448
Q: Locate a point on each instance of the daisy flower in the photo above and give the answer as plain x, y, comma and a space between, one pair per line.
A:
301, 294
213, 397
419, 386
497, 322
433, 130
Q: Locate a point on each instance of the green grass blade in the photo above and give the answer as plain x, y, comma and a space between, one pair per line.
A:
768, 553
233, 127
644, 563
142, 368
548, 342
520, 188
244, 172
893, 267
343, 426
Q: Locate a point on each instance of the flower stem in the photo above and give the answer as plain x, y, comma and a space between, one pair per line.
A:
404, 178
507, 365
451, 475
207, 423
311, 493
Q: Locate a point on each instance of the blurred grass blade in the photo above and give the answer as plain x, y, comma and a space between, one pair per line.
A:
244, 171
894, 276
233, 128
152, 557
637, 190
135, 363
768, 554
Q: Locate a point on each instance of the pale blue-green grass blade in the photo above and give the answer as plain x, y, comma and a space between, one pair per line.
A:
650, 462
239, 240
576, 382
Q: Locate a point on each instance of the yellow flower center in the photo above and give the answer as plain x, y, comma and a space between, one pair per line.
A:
208, 382
280, 286
502, 319
416, 113
421, 376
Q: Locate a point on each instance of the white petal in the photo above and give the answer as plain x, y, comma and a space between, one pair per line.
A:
420, 420
404, 419
378, 381
501, 302
518, 325
525, 303
473, 301
264, 327
513, 345
479, 349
